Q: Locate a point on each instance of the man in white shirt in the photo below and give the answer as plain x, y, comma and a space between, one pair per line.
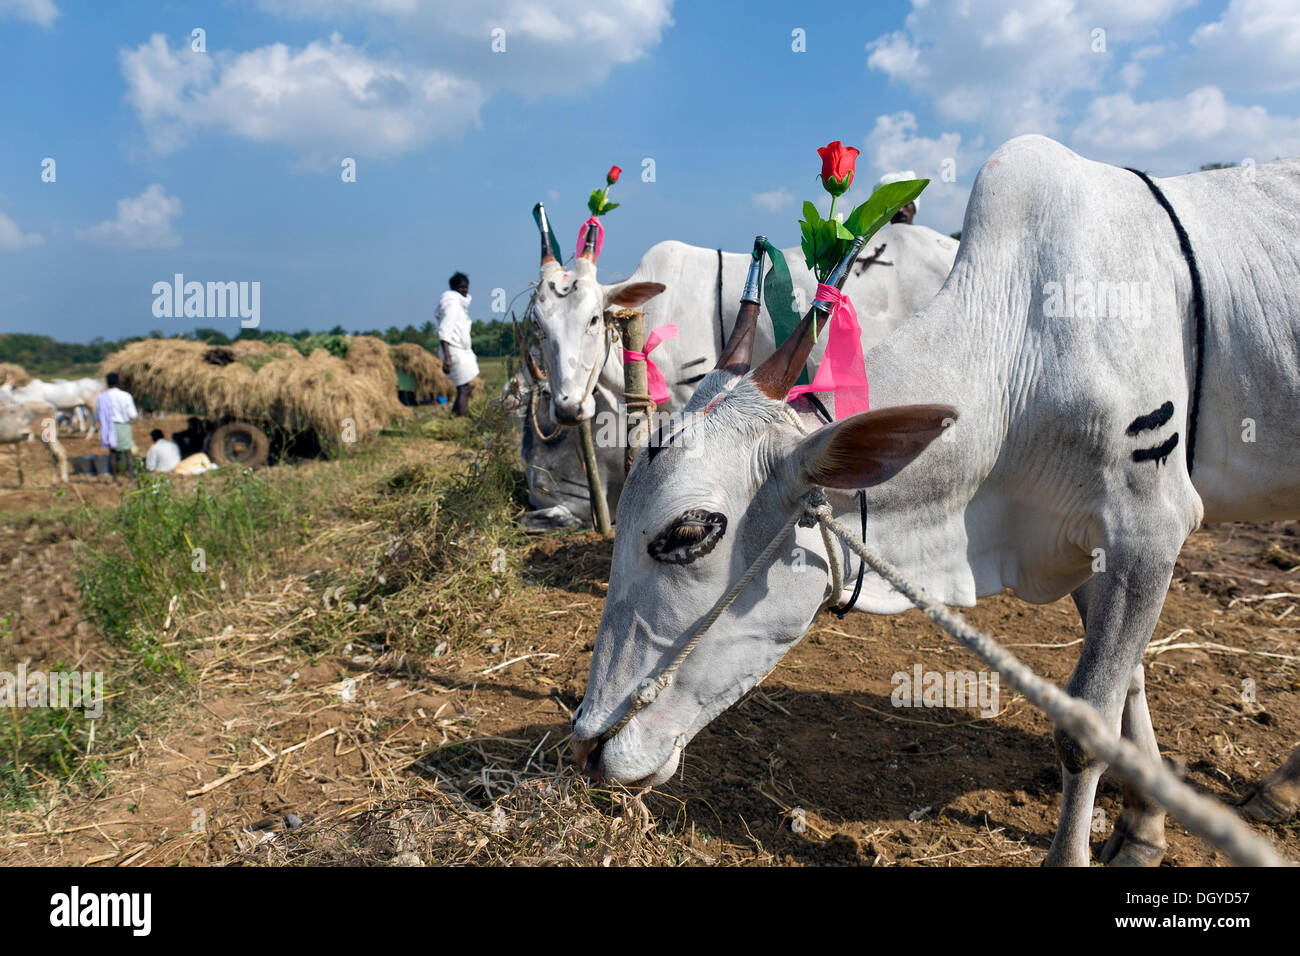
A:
164, 454
115, 410
453, 323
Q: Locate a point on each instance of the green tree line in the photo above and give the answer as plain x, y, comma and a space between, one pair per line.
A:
43, 355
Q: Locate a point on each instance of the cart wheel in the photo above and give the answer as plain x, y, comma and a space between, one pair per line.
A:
239, 443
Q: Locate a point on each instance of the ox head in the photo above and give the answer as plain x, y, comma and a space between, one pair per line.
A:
569, 312
690, 524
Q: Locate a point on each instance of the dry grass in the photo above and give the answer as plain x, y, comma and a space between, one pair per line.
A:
265, 384
14, 375
430, 380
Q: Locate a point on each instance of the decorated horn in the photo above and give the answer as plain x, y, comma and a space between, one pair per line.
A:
739, 350
589, 246
548, 254
777, 375
526, 353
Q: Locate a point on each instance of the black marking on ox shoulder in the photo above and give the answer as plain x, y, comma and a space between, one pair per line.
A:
693, 379
1159, 453
1151, 420
691, 536
702, 358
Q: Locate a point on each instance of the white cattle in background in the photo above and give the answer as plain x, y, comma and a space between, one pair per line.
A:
698, 291
21, 421
76, 397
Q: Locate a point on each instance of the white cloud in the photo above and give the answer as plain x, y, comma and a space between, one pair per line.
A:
1009, 65
893, 145
1176, 134
143, 222
773, 201
550, 45
328, 99
12, 238
1255, 46
423, 72
42, 12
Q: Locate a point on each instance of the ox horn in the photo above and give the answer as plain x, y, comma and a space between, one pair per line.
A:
777, 375
739, 350
526, 353
549, 254
589, 246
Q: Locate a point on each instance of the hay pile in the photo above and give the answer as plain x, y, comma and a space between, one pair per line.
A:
17, 376
430, 380
263, 384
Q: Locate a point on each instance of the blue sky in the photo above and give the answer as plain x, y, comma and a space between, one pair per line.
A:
224, 165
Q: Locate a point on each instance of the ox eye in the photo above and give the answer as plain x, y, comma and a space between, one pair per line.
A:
691, 536
594, 319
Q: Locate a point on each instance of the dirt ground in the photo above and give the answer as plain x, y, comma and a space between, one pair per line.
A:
278, 741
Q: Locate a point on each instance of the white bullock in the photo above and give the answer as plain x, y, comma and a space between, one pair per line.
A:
1067, 473
76, 397
694, 289
19, 421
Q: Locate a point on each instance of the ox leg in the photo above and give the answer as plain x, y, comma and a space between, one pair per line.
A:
1276, 798
18, 460
1139, 835
60, 458
1120, 608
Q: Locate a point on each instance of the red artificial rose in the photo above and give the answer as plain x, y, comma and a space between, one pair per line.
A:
611, 177
837, 167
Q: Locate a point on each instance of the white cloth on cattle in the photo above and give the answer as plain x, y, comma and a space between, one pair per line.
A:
164, 455
453, 324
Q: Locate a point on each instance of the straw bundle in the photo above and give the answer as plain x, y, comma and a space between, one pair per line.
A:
430, 380
258, 383
369, 356
15, 375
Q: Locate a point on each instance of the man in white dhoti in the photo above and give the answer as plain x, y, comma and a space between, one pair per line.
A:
115, 410
453, 323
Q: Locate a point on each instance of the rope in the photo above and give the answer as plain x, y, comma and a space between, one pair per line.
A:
532, 417
1200, 814
722, 332
1198, 313
650, 690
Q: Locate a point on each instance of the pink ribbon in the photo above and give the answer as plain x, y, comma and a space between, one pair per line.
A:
582, 236
654, 377
843, 369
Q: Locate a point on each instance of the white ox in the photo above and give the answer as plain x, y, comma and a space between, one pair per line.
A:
76, 397
557, 480
679, 284
19, 421
1070, 450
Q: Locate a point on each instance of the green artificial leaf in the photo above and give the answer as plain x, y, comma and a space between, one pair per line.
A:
842, 232
778, 297
881, 206
594, 200
609, 207
810, 213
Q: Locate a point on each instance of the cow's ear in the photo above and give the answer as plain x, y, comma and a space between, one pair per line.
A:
631, 295
870, 447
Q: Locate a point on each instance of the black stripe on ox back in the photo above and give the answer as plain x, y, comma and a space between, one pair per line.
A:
1159, 453
1151, 420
